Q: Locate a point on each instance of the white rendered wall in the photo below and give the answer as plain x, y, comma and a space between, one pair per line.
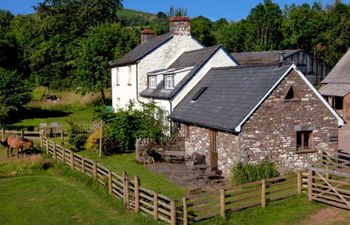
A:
125, 91
163, 56
219, 59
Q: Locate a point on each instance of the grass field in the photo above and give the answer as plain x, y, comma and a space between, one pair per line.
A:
127, 162
60, 196
291, 211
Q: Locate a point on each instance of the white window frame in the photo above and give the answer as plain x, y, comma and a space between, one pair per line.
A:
117, 78
152, 82
169, 84
129, 76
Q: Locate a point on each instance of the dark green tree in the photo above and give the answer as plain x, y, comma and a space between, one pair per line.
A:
264, 27
95, 51
201, 28
14, 94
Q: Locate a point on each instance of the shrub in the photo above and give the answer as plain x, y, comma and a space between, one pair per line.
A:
93, 141
125, 126
77, 136
246, 173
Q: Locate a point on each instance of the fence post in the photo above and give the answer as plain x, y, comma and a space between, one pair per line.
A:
54, 150
309, 184
185, 212
3, 134
137, 193
94, 170
41, 138
126, 189
110, 182
47, 146
22, 133
63, 154
155, 205
172, 213
263, 193
101, 141
83, 165
62, 138
72, 160
222, 203
299, 182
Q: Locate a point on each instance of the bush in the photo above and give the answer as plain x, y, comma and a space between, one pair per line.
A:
246, 173
125, 126
77, 136
93, 141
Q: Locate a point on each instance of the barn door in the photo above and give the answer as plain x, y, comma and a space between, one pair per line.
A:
213, 155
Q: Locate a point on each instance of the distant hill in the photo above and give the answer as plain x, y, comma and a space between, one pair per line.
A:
131, 17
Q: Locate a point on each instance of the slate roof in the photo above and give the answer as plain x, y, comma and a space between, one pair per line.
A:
341, 71
231, 94
337, 82
196, 59
264, 57
142, 50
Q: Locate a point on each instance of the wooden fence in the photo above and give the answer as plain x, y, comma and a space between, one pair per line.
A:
129, 190
23, 133
224, 202
189, 209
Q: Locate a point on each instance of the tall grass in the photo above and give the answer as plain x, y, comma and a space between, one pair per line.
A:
245, 173
23, 166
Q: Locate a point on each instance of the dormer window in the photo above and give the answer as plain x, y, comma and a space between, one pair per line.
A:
152, 82
169, 81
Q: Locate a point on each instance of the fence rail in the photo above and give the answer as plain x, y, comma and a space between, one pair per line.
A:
220, 203
134, 196
189, 209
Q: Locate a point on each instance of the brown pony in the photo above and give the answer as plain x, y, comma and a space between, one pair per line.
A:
18, 144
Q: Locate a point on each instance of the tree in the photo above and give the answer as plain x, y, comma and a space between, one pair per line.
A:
14, 94
264, 26
201, 29
177, 11
5, 21
95, 51
232, 36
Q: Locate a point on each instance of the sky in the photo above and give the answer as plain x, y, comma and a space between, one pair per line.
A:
229, 9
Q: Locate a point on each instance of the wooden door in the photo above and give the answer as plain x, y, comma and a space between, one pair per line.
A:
213, 153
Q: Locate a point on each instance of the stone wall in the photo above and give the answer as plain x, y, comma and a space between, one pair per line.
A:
270, 133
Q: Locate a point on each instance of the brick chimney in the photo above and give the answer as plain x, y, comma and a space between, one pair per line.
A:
146, 34
180, 25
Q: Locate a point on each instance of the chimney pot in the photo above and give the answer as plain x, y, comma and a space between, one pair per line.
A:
146, 34
180, 25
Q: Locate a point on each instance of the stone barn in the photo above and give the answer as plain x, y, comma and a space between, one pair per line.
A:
252, 113
336, 87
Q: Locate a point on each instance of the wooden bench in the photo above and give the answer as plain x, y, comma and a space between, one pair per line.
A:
171, 156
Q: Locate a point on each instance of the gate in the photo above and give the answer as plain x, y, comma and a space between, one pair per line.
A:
329, 186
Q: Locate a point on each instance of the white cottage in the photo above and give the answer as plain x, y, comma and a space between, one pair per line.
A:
164, 68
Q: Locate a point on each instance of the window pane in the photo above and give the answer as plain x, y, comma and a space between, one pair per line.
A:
299, 144
169, 81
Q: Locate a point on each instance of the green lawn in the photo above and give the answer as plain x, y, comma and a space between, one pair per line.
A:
149, 179
52, 197
290, 211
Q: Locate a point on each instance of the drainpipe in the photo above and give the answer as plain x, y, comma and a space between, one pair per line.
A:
137, 82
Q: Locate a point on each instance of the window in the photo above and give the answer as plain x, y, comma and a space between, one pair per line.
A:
169, 81
117, 77
290, 94
129, 76
338, 103
304, 141
199, 93
152, 82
